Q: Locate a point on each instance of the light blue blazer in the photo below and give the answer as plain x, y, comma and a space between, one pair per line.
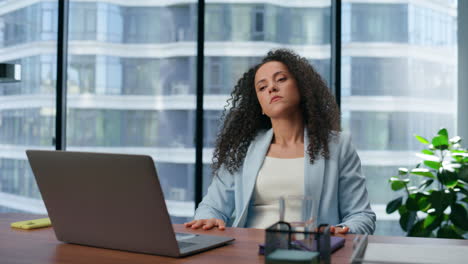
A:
337, 183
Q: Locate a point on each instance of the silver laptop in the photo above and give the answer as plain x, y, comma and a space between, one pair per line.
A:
111, 201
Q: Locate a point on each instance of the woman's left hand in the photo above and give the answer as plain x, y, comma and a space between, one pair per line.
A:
339, 229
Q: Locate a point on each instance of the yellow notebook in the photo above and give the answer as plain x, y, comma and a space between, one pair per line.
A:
31, 224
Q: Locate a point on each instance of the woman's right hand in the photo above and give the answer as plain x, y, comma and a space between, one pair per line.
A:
206, 224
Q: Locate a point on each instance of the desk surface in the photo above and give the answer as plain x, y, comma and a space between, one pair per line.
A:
41, 246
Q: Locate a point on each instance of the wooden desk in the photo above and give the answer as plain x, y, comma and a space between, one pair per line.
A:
41, 246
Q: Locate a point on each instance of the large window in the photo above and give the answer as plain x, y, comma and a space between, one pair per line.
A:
238, 35
140, 101
399, 79
27, 108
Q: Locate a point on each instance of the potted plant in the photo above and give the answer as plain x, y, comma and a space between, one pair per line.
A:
434, 193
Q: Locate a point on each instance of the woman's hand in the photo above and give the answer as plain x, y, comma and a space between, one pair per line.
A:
206, 224
339, 229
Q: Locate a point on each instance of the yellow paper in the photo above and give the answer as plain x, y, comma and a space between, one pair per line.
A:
31, 224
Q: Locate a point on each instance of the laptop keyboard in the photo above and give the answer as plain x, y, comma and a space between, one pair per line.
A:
184, 244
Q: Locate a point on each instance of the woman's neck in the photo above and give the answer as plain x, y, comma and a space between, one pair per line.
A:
288, 131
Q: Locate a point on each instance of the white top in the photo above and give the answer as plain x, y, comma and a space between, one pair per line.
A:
277, 177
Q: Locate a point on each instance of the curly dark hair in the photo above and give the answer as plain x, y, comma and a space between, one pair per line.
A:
243, 118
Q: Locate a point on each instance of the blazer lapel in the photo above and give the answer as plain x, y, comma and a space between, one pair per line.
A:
313, 178
252, 164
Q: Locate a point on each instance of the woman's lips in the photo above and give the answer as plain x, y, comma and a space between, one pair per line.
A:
275, 98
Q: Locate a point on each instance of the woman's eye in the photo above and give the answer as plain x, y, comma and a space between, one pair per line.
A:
262, 88
282, 79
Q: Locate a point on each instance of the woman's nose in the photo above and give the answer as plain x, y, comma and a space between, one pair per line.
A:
273, 88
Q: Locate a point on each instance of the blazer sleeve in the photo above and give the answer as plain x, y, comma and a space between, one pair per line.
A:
355, 210
219, 201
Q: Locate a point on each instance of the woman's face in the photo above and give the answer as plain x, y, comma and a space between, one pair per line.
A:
276, 89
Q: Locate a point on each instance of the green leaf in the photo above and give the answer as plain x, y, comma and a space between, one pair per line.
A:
424, 203
422, 172
427, 152
398, 185
458, 151
418, 201
463, 190
412, 202
457, 158
392, 179
447, 178
432, 221
425, 183
451, 196
407, 220
460, 158
402, 171
446, 217
428, 157
433, 164
459, 216
443, 132
459, 231
440, 142
455, 140
418, 230
463, 174
421, 139
402, 210
435, 199
393, 205
440, 200
465, 200
448, 232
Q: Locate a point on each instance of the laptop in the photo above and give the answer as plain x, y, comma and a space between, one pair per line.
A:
111, 201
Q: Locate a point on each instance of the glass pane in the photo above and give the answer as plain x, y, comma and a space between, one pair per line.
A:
131, 87
399, 78
27, 108
238, 35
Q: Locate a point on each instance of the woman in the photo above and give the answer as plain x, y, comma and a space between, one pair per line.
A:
282, 137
